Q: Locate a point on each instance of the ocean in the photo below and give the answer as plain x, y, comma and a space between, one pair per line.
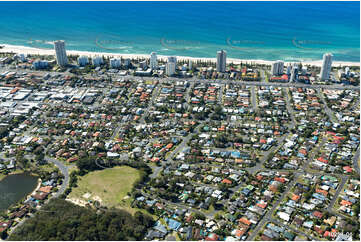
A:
289, 31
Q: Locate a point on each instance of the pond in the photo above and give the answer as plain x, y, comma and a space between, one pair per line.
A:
15, 187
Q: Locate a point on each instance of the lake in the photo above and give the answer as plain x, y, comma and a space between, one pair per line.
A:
15, 187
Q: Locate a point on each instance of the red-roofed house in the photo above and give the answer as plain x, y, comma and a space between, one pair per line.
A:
226, 181
317, 214
245, 221
323, 160
280, 179
347, 169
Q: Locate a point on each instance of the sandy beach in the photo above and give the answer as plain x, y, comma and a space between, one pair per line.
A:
35, 51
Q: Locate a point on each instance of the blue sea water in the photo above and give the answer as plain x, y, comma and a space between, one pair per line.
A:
288, 31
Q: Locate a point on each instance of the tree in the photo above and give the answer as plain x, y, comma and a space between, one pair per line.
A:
71, 222
3, 235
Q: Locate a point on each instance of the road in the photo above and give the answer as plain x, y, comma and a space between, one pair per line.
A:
184, 142
294, 230
178, 205
220, 95
250, 83
156, 171
254, 100
355, 160
259, 165
64, 185
155, 94
339, 189
289, 108
313, 153
266, 218
263, 78
328, 111
64, 170
116, 131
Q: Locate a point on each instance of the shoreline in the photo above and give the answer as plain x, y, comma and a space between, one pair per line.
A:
3, 176
18, 49
36, 188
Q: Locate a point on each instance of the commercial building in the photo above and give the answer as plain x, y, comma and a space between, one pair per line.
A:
153, 62
60, 53
221, 61
326, 66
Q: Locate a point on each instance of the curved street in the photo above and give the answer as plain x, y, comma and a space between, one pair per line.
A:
64, 170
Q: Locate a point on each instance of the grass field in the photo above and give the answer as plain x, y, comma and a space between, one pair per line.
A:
110, 185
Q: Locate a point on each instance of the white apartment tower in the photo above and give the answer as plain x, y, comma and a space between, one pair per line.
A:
153, 62
171, 65
326, 66
221, 61
115, 63
289, 68
277, 68
60, 53
294, 73
83, 60
97, 61
126, 62
172, 59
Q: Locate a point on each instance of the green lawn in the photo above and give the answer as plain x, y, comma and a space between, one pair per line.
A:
110, 185
74, 168
210, 209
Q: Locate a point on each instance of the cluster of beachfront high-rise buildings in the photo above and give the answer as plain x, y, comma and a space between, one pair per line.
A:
277, 67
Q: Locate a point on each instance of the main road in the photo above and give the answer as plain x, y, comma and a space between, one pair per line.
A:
255, 83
